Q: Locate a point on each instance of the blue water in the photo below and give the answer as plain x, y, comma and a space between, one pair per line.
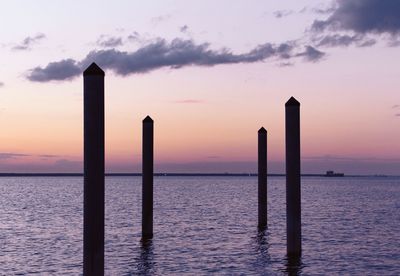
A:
203, 225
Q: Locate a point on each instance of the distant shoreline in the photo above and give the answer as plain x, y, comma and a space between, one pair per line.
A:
173, 174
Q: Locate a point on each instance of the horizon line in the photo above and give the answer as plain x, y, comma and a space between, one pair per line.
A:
72, 174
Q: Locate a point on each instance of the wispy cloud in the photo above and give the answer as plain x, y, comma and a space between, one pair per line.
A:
396, 106
13, 155
48, 156
174, 55
160, 19
344, 40
109, 41
10, 155
282, 13
1, 84
329, 157
27, 43
213, 157
189, 101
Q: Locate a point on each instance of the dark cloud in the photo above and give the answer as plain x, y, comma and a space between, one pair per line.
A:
62, 70
282, 13
363, 17
28, 42
160, 54
311, 54
10, 155
109, 42
358, 23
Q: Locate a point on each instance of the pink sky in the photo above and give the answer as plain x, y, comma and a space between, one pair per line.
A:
206, 110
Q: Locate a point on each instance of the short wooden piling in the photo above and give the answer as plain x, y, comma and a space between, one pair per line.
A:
293, 198
262, 178
93, 218
147, 178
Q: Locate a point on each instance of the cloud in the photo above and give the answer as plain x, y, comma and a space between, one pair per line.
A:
396, 106
359, 23
329, 157
10, 155
189, 101
339, 40
311, 54
184, 29
62, 70
48, 155
27, 43
65, 163
135, 36
1, 84
161, 18
213, 157
397, 115
363, 17
109, 42
162, 54
282, 13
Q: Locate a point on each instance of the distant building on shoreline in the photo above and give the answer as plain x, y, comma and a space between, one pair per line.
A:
333, 174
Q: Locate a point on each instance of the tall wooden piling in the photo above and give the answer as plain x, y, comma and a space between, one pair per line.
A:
93, 218
293, 206
262, 178
147, 178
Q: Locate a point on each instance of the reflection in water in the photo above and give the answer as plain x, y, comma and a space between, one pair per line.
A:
293, 265
262, 245
145, 265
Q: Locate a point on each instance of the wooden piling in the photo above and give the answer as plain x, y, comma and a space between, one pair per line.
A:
293, 198
262, 178
93, 218
147, 178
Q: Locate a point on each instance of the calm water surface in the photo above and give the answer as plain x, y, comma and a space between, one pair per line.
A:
203, 225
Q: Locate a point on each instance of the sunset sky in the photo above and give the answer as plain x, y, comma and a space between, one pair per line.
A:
210, 74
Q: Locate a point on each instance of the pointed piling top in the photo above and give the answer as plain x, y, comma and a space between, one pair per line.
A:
93, 70
292, 102
262, 130
148, 119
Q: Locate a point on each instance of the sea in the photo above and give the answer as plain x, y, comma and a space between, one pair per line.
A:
203, 226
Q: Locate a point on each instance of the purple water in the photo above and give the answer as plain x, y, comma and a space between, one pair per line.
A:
203, 225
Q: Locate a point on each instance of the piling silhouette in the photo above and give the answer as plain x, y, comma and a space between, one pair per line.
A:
147, 178
93, 219
262, 178
293, 205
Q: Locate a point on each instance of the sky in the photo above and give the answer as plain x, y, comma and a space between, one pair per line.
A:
210, 74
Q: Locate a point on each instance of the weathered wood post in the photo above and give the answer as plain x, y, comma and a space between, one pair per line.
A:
93, 218
293, 206
262, 178
147, 178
